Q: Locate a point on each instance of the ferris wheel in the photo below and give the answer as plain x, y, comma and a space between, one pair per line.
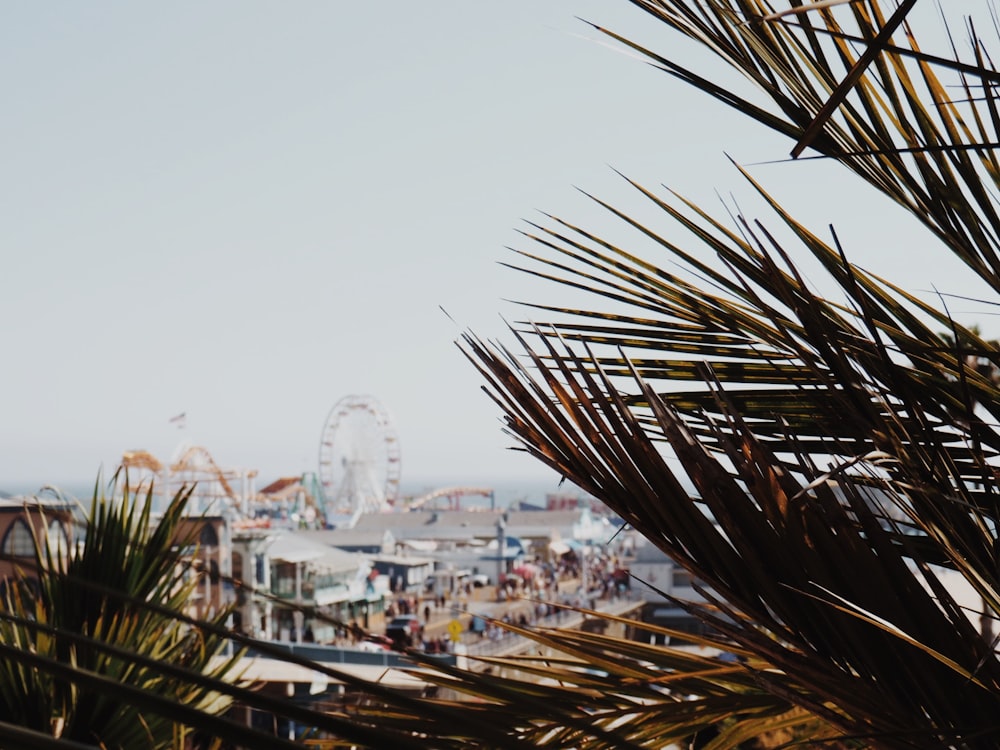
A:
358, 457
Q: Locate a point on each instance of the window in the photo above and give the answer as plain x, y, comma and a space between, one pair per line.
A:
208, 537
19, 541
260, 566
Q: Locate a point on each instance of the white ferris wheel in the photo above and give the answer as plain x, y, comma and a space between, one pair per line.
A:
358, 457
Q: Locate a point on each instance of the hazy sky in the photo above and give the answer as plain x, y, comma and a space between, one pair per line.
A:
247, 210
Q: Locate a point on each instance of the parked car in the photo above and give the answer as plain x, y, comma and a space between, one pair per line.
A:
405, 631
376, 643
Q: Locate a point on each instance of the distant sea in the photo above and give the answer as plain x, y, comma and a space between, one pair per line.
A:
78, 490
505, 491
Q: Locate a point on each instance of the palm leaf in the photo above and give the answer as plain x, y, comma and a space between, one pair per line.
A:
790, 380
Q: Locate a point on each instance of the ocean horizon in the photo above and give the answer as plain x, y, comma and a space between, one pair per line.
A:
506, 491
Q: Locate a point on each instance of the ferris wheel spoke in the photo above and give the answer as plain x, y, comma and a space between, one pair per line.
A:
359, 459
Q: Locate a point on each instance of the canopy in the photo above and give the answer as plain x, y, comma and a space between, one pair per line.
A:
258, 669
558, 547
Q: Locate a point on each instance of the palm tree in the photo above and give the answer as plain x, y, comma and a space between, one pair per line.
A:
839, 450
97, 650
824, 464
86, 608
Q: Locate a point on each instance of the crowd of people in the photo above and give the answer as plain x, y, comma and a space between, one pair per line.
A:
536, 592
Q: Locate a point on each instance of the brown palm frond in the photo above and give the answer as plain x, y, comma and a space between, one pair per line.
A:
820, 464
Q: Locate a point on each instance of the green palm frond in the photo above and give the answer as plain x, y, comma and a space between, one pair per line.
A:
55, 620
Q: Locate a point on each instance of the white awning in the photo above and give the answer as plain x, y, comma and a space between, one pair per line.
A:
558, 548
420, 545
259, 669
291, 549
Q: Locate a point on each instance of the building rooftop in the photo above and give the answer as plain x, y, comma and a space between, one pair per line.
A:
450, 525
347, 537
293, 547
20, 502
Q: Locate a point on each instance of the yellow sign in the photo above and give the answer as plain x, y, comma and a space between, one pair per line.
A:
455, 630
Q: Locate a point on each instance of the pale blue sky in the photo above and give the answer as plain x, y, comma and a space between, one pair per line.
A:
246, 210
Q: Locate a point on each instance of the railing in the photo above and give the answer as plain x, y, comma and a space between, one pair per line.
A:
505, 642
334, 655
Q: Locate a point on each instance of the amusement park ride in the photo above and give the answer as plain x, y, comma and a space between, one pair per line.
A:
192, 465
359, 472
359, 463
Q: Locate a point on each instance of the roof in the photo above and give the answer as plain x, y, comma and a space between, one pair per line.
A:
346, 537
468, 524
650, 553
19, 503
293, 547
405, 560
285, 485
542, 524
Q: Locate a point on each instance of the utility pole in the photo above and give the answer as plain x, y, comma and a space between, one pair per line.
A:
501, 549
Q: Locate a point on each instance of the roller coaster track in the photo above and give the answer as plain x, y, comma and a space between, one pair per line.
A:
452, 493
